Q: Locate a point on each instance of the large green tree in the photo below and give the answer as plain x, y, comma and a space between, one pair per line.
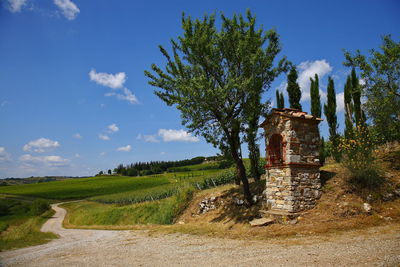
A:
216, 77
331, 118
315, 97
380, 73
293, 89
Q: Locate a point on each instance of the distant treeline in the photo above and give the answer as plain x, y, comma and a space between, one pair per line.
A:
157, 167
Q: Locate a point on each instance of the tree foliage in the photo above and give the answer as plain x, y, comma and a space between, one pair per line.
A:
348, 109
380, 73
315, 97
215, 77
293, 89
354, 114
331, 118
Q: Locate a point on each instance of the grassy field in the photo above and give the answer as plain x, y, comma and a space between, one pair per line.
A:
84, 187
196, 167
112, 201
19, 228
103, 185
87, 213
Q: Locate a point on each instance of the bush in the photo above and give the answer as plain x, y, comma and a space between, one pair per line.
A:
358, 158
39, 206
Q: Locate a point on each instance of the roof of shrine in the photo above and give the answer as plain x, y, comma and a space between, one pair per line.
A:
290, 113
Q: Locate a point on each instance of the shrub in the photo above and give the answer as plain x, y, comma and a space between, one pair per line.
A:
358, 158
39, 206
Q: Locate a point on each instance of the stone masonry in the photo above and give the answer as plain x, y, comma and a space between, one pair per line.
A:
292, 169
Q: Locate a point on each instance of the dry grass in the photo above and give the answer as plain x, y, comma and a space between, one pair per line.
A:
338, 210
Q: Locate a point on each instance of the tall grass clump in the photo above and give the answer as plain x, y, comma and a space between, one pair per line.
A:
359, 159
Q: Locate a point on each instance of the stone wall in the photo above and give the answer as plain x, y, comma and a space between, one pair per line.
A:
303, 142
292, 189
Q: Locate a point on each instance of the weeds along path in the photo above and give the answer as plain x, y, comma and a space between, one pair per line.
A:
376, 246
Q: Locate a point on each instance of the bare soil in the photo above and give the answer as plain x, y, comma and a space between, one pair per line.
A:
375, 246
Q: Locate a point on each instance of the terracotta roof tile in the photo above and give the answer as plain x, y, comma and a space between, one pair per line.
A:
291, 113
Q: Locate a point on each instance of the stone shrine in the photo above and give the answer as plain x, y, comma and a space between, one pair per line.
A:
292, 168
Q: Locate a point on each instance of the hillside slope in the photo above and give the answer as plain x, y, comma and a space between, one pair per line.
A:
340, 208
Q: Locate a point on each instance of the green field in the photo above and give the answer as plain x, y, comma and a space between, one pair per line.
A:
106, 185
196, 167
84, 187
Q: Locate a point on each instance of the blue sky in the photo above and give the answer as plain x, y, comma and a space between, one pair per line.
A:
73, 96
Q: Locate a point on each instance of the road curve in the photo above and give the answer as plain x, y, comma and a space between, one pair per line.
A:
377, 246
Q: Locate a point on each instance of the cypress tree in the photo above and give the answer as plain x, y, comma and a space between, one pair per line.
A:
348, 108
280, 101
293, 89
356, 93
315, 97
331, 118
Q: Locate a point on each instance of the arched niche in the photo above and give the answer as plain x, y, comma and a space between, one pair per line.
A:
275, 149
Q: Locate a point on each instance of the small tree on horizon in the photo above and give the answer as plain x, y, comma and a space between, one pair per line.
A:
293, 89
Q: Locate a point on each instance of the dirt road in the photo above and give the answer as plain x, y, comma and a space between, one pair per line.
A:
378, 246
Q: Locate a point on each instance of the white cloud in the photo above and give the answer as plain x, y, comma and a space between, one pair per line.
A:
51, 161
125, 148
102, 154
4, 155
163, 153
77, 136
126, 95
176, 135
148, 138
104, 137
113, 128
68, 8
340, 102
77, 155
113, 81
40, 145
307, 70
15, 5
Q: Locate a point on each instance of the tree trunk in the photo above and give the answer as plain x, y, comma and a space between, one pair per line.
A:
241, 171
254, 150
254, 155
237, 176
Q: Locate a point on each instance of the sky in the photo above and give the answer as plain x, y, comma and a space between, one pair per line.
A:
74, 99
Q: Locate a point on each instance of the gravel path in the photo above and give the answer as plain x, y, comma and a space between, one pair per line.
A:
377, 247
